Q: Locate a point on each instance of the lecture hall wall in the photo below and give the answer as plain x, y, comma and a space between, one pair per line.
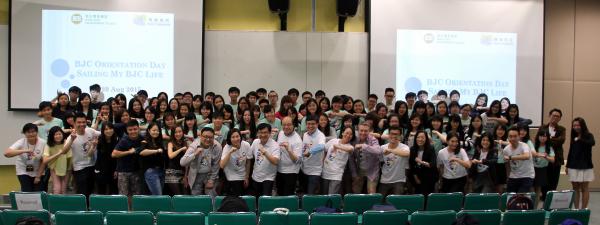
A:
572, 68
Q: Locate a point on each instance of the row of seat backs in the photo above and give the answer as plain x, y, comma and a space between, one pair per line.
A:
488, 217
357, 203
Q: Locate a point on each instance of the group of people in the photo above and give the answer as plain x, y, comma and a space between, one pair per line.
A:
302, 144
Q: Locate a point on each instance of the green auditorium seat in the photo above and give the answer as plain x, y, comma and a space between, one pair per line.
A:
446, 217
504, 199
482, 201
268, 203
445, 201
66, 203
291, 218
239, 218
190, 203
557, 216
79, 218
129, 218
180, 218
152, 203
26, 198
348, 218
10, 216
564, 200
105, 203
487, 217
411, 203
310, 202
395, 217
360, 203
250, 200
524, 217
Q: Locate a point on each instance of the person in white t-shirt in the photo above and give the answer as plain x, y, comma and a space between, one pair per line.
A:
312, 160
236, 164
518, 155
453, 163
83, 151
28, 151
266, 153
395, 161
338, 151
288, 167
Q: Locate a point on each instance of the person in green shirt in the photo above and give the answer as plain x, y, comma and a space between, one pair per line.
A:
57, 155
542, 156
47, 121
271, 120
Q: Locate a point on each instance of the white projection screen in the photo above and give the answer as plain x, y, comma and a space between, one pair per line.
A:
122, 45
473, 46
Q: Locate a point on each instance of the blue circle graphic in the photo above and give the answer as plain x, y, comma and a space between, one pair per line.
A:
72, 76
60, 67
65, 84
412, 84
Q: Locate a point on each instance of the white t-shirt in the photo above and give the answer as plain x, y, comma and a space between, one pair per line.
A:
394, 166
313, 164
236, 167
34, 159
263, 168
286, 165
335, 161
79, 149
452, 170
520, 168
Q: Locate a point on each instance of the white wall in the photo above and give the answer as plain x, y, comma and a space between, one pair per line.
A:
333, 62
11, 122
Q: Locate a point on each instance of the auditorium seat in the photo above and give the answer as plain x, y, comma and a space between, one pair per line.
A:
557, 216
66, 203
411, 203
504, 199
180, 218
42, 195
105, 203
237, 218
152, 203
250, 200
292, 218
10, 216
445, 201
395, 217
348, 218
550, 195
310, 202
524, 217
129, 218
192, 203
487, 217
268, 203
79, 218
360, 203
446, 217
482, 201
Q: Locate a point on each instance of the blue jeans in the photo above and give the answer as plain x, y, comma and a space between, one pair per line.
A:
155, 179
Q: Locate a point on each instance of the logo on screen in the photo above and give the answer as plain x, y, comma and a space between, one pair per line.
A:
139, 20
76, 18
428, 38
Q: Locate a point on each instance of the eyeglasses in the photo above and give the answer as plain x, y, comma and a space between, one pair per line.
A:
207, 137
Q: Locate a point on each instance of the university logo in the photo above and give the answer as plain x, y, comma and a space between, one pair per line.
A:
428, 38
76, 19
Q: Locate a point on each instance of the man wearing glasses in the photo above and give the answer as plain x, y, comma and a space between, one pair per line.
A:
266, 157
202, 157
558, 135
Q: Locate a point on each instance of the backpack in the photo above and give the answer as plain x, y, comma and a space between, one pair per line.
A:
233, 204
571, 222
327, 208
519, 202
465, 219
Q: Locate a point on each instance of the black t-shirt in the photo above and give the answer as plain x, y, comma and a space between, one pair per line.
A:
154, 160
128, 163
